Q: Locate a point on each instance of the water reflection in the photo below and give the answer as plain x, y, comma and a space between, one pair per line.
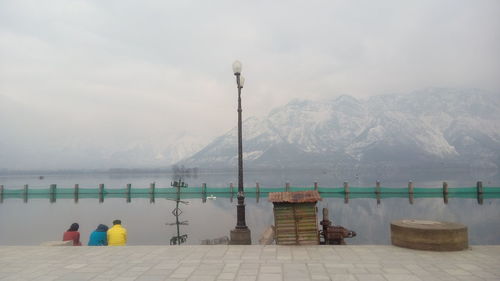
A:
179, 238
39, 221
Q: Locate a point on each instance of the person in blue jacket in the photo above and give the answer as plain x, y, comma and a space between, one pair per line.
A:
98, 237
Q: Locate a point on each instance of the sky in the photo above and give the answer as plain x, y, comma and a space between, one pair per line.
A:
110, 75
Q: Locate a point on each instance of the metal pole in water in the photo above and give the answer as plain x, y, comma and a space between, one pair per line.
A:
129, 189
52, 193
479, 187
410, 192
152, 192
76, 192
25, 194
101, 193
445, 192
346, 192
377, 192
231, 190
204, 192
257, 192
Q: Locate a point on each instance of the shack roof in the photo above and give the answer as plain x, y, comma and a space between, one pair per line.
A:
294, 197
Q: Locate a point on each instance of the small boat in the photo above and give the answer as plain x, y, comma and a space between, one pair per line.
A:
40, 177
211, 197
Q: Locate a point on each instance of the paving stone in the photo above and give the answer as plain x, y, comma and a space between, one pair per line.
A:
245, 278
201, 278
270, 269
226, 276
150, 278
370, 277
124, 279
247, 263
270, 277
342, 277
402, 277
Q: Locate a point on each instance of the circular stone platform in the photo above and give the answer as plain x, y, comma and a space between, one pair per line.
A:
429, 235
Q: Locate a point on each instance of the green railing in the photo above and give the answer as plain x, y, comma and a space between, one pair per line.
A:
203, 192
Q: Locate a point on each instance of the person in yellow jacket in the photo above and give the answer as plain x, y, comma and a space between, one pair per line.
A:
117, 235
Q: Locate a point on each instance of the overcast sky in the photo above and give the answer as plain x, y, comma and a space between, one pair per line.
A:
136, 70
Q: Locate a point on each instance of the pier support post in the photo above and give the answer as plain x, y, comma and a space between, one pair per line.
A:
479, 188
257, 192
231, 190
152, 192
287, 187
315, 186
377, 192
52, 193
346, 192
410, 192
76, 193
128, 192
445, 192
1, 193
25, 194
204, 192
101, 193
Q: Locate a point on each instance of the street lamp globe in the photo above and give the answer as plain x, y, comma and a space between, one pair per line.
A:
236, 67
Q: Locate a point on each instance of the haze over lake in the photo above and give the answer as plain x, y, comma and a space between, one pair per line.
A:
39, 221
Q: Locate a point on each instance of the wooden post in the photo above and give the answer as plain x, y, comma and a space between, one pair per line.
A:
1, 193
445, 192
287, 187
410, 192
257, 192
377, 192
52, 193
152, 192
204, 192
479, 187
25, 194
346, 192
76, 193
101, 193
231, 190
128, 192
315, 186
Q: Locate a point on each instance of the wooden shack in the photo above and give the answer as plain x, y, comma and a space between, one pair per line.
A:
295, 217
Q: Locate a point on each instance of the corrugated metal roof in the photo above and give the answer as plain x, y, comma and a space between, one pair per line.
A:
294, 197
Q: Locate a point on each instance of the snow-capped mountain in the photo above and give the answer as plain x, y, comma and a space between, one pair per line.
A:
435, 126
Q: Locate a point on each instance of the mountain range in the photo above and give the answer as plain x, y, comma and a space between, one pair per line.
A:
433, 127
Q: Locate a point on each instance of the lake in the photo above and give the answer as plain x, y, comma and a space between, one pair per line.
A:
148, 224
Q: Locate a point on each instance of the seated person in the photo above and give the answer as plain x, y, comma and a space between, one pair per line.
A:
72, 234
98, 237
117, 235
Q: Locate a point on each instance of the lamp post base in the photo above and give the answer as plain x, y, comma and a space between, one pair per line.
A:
240, 237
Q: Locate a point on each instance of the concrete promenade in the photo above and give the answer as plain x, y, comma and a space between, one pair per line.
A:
247, 263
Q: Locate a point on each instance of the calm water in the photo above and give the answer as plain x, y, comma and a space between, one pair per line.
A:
39, 221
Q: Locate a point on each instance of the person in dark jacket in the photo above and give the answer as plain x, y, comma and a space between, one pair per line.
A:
98, 237
72, 234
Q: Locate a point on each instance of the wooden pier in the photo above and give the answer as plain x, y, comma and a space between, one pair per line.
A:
153, 192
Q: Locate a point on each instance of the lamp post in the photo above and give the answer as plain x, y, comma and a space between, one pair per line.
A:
241, 234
